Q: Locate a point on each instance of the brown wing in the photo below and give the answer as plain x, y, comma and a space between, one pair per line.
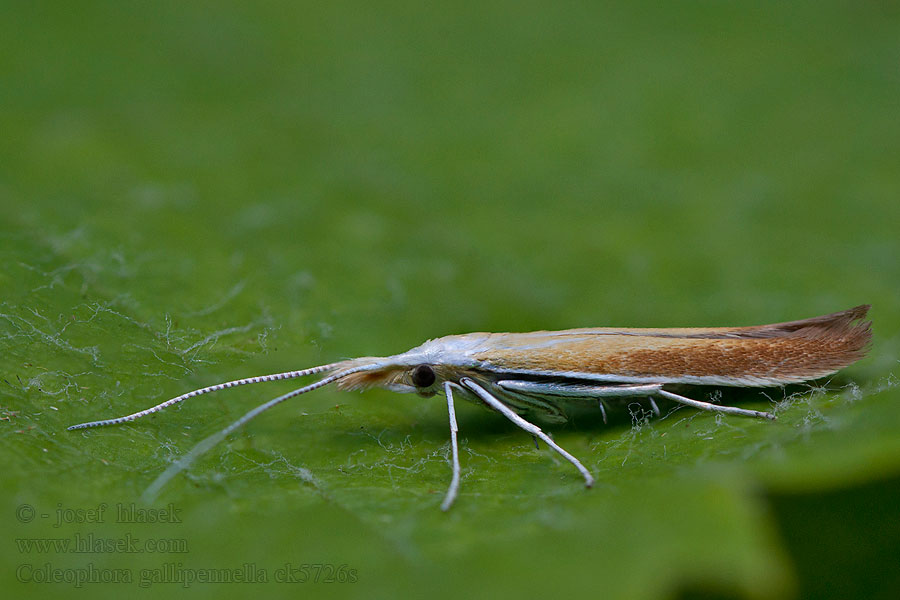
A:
761, 355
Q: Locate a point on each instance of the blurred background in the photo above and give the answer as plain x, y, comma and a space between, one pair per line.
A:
191, 193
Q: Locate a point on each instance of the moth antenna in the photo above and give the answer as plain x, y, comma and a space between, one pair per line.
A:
202, 447
206, 390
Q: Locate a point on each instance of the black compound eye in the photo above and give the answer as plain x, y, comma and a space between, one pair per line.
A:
423, 376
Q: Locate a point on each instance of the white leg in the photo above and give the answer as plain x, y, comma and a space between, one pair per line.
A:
570, 390
602, 410
529, 427
613, 391
715, 407
454, 450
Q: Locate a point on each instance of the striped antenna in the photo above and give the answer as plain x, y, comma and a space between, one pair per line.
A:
206, 390
201, 448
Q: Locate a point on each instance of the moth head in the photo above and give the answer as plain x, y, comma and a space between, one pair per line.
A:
421, 378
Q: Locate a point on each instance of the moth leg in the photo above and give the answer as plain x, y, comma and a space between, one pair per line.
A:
571, 390
602, 410
653, 406
454, 449
715, 407
611, 391
523, 424
523, 403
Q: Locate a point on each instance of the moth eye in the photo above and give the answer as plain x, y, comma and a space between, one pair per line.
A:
423, 376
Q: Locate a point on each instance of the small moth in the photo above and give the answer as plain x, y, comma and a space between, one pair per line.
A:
520, 373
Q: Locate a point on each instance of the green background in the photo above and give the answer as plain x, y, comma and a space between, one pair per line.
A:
191, 193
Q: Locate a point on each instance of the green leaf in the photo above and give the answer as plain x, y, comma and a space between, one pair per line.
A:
189, 196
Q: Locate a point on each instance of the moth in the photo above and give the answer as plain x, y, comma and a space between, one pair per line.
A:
516, 374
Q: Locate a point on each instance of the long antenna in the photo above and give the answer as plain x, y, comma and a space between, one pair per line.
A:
201, 448
206, 390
